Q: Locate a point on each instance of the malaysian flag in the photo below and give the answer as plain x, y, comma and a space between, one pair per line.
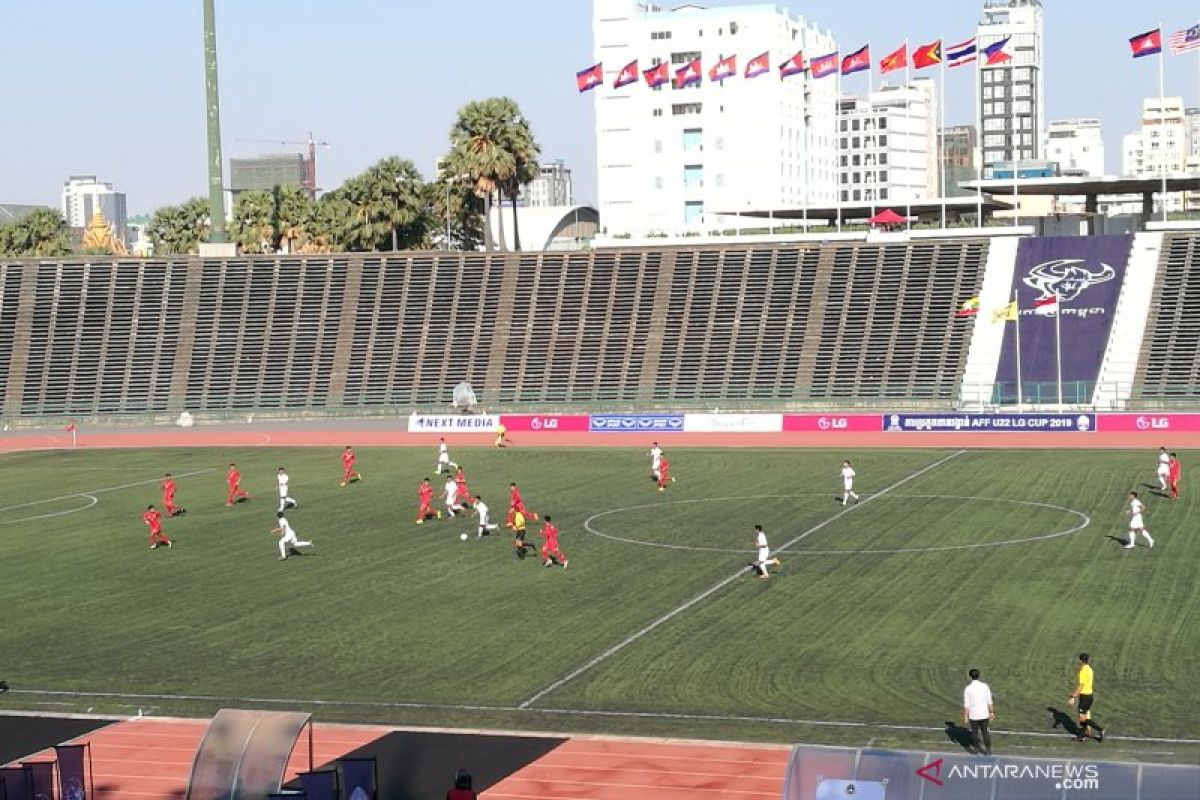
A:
1185, 40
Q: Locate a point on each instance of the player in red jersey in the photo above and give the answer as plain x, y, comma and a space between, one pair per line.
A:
425, 496
550, 552
1173, 474
348, 473
153, 520
462, 495
168, 497
664, 473
515, 504
233, 479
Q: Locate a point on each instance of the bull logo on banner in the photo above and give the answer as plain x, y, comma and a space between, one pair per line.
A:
1066, 278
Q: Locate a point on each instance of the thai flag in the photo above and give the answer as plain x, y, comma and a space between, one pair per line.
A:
590, 78
1046, 306
994, 54
962, 53
759, 65
688, 74
725, 68
1146, 44
657, 75
628, 74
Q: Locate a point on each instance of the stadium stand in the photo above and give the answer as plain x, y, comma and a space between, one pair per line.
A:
1168, 369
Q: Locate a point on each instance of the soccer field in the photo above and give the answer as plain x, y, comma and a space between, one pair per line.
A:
1003, 560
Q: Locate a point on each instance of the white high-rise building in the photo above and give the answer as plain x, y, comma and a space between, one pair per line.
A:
1191, 121
83, 194
1077, 146
888, 144
1012, 92
1162, 143
670, 160
552, 187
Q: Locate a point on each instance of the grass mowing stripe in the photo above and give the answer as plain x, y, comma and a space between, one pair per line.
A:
633, 637
580, 712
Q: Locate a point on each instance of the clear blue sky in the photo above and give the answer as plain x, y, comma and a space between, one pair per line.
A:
116, 88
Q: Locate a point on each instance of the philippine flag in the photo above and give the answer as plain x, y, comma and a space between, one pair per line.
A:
688, 74
590, 78
1146, 44
994, 55
795, 65
824, 65
759, 65
628, 74
725, 68
657, 75
1046, 306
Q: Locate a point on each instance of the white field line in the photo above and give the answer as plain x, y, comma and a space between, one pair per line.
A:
102, 490
718, 586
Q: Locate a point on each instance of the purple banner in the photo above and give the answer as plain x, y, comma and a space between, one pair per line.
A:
320, 785
358, 778
41, 779
15, 781
72, 777
1085, 274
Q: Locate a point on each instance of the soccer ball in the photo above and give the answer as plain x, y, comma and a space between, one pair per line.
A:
462, 536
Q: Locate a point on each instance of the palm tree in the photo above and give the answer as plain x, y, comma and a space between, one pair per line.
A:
42, 234
253, 227
179, 229
327, 225
291, 213
481, 144
385, 202
525, 151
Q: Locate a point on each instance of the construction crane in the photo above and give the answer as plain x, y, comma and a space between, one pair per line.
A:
310, 166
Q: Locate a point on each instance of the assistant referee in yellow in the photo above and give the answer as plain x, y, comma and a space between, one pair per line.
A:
1083, 692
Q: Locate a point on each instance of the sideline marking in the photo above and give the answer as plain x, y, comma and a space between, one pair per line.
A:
718, 586
102, 490
587, 525
582, 712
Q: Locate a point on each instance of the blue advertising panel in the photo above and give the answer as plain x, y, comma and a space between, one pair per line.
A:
989, 423
635, 423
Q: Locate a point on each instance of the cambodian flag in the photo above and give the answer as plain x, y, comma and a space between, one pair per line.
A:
688, 74
759, 65
857, 61
725, 68
656, 75
1146, 44
628, 74
795, 65
824, 65
590, 78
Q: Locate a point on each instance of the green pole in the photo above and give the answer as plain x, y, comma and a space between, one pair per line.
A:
216, 188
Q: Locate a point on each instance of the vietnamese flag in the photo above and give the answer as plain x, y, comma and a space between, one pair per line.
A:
590, 78
688, 74
657, 75
795, 65
897, 59
627, 75
928, 55
725, 68
759, 65
857, 61
824, 65
1146, 44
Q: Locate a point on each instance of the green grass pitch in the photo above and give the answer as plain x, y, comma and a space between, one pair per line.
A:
874, 617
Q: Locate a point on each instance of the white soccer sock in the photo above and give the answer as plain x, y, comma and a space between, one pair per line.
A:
303, 544
282, 549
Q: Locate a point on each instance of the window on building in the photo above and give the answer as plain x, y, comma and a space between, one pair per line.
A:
857, 177
693, 176
883, 194
719, 143
685, 57
845, 142
720, 181
869, 194
1023, 107
856, 160
843, 126
883, 176
656, 112
994, 140
693, 139
988, 92
857, 195
1023, 90
1025, 73
658, 182
854, 125
681, 109
733, 29
883, 158
658, 145
845, 197
882, 122
845, 177
693, 212
856, 142
844, 160
994, 124
883, 141
660, 35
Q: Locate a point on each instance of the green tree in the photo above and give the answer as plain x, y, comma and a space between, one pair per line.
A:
327, 225
519, 141
42, 234
453, 200
292, 215
481, 145
387, 207
176, 230
253, 226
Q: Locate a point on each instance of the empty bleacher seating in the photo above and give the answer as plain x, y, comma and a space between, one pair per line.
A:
1169, 366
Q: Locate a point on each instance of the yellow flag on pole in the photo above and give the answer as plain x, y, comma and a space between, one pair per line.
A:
1006, 313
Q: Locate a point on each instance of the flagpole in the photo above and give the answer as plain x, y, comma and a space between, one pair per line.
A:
941, 137
837, 188
1020, 395
870, 88
977, 150
903, 139
1014, 149
1058, 348
1162, 117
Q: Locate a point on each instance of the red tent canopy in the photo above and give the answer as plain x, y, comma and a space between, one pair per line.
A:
887, 217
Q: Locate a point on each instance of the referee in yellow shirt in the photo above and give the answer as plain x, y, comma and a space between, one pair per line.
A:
1083, 692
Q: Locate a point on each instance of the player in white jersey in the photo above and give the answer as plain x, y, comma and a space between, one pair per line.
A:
485, 524
444, 464
451, 490
1136, 523
285, 499
655, 459
287, 539
848, 474
759, 565
1164, 469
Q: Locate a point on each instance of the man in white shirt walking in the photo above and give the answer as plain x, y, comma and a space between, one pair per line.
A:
1164, 469
1136, 523
453, 507
485, 524
978, 712
287, 537
655, 459
848, 474
444, 463
285, 499
759, 565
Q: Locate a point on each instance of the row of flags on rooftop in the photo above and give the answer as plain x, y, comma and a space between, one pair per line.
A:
921, 57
